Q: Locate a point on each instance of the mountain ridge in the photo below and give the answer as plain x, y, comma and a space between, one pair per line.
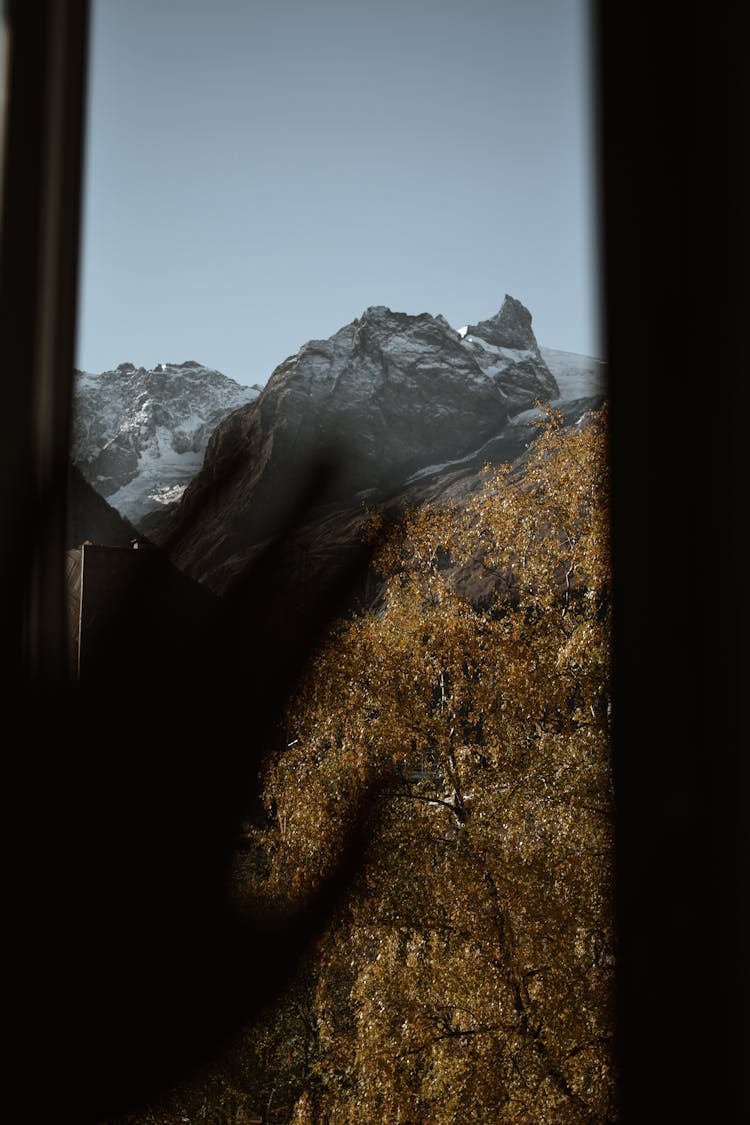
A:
388, 397
406, 405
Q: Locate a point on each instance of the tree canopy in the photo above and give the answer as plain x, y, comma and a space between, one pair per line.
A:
470, 977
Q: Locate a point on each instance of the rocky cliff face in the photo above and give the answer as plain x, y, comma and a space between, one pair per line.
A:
139, 435
390, 396
395, 392
505, 347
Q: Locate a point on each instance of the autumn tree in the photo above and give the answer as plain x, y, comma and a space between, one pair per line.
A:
470, 976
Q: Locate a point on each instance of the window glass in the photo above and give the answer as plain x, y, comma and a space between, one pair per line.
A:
368, 232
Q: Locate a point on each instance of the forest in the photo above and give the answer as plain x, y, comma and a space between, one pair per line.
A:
469, 975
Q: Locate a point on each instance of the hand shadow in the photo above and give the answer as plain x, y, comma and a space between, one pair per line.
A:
129, 964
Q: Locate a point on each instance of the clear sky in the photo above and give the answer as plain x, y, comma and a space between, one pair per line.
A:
259, 172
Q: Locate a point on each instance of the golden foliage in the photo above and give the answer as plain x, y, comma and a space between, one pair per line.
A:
470, 977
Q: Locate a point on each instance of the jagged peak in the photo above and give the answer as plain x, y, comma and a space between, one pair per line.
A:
377, 311
187, 365
127, 369
382, 312
510, 327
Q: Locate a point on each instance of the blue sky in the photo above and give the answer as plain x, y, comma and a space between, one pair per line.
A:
259, 172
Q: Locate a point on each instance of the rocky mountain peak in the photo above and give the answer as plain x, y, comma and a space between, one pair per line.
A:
389, 394
508, 328
376, 312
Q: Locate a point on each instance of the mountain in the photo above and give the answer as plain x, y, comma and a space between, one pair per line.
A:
398, 401
139, 435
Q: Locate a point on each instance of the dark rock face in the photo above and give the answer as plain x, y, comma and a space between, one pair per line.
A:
390, 390
509, 328
505, 343
388, 395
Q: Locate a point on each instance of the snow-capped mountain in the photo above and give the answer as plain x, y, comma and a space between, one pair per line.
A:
139, 435
393, 397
